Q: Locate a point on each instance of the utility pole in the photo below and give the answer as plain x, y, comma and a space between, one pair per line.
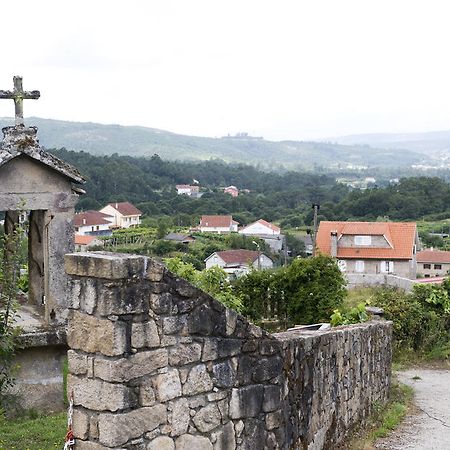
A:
315, 207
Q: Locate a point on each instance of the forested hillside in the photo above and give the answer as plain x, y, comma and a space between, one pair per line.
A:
285, 198
140, 141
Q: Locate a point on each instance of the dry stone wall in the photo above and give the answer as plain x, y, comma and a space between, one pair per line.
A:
154, 363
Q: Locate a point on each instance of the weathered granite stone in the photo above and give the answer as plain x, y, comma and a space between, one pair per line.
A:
267, 368
273, 420
272, 398
146, 394
180, 417
224, 438
117, 429
86, 445
145, 334
80, 424
168, 385
175, 324
161, 303
77, 363
185, 354
207, 418
155, 270
198, 381
93, 427
189, 442
210, 350
135, 366
224, 374
100, 395
92, 335
246, 401
161, 443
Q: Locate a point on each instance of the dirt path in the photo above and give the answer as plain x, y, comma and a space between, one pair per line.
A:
429, 429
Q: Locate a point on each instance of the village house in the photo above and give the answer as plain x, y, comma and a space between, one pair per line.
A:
370, 247
232, 190
189, 190
84, 243
92, 223
238, 262
218, 224
270, 233
124, 214
433, 263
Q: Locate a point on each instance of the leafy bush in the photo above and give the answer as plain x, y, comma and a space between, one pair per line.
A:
356, 314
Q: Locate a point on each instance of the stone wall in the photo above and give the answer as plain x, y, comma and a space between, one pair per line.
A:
157, 364
357, 280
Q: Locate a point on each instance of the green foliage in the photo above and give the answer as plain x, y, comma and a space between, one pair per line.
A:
356, 314
36, 432
214, 281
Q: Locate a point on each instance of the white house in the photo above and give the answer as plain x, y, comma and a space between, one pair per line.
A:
92, 223
124, 214
188, 189
218, 224
238, 262
260, 228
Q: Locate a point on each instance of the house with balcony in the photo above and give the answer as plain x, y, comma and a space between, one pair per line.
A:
92, 223
123, 214
370, 248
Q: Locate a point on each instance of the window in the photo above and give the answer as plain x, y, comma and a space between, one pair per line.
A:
359, 266
438, 266
363, 240
427, 266
387, 266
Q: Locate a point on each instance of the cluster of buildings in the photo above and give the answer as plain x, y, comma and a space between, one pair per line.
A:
90, 225
193, 190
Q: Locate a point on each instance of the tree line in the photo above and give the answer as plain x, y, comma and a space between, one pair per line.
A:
284, 197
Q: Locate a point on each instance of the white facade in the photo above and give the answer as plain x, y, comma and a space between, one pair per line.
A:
119, 220
232, 228
84, 230
259, 228
238, 269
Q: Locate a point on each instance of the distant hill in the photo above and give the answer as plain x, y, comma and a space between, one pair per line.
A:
140, 141
435, 143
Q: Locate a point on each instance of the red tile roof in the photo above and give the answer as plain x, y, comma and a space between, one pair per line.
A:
84, 240
89, 218
216, 221
126, 209
269, 225
238, 256
433, 256
401, 237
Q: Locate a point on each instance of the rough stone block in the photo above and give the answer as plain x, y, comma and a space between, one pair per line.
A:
92, 335
273, 420
104, 265
179, 417
198, 381
77, 363
175, 325
168, 385
99, 395
161, 443
272, 398
117, 429
224, 374
210, 350
135, 366
246, 401
185, 354
267, 368
86, 445
147, 395
144, 334
80, 424
120, 298
207, 418
190, 442
155, 270
225, 438
161, 303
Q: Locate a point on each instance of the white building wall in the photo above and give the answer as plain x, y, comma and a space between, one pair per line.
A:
89, 229
258, 228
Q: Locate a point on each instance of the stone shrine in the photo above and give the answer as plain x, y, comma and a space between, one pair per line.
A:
36, 182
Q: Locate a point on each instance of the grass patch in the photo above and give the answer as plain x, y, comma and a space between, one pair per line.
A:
384, 418
36, 433
358, 295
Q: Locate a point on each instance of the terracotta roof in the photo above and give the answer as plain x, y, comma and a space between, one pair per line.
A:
84, 240
268, 225
238, 256
90, 218
433, 256
126, 209
400, 235
216, 221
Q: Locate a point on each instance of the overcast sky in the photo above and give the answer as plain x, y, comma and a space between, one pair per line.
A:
281, 69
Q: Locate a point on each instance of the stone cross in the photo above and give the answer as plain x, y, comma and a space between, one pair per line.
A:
18, 95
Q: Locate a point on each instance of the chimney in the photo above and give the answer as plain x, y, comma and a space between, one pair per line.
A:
117, 205
334, 244
84, 221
